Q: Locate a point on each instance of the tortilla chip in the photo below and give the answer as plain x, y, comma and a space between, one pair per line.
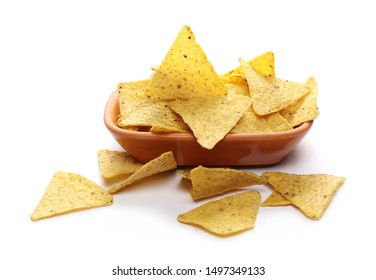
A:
164, 162
311, 193
304, 109
207, 182
128, 92
250, 122
156, 115
241, 89
275, 199
185, 72
211, 118
271, 94
227, 216
263, 64
68, 192
115, 163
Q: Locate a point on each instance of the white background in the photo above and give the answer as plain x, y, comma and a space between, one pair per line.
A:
59, 61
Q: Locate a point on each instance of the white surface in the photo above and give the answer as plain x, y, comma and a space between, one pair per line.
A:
60, 62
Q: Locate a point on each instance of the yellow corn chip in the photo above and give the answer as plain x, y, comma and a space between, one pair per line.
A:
154, 114
129, 92
211, 118
275, 199
68, 192
311, 193
263, 64
271, 94
164, 162
138, 112
250, 122
207, 182
185, 72
304, 109
241, 89
115, 163
227, 216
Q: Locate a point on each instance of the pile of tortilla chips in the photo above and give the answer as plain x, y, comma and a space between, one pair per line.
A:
186, 95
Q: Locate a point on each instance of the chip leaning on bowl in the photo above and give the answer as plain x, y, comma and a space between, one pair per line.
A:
184, 95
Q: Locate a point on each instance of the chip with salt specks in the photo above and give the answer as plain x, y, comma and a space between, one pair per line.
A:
304, 109
311, 193
263, 64
155, 115
211, 118
275, 199
207, 182
116, 163
185, 72
164, 162
250, 122
68, 192
140, 113
226, 216
270, 94
128, 93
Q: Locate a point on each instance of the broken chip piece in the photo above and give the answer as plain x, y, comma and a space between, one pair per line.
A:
68, 192
311, 193
226, 216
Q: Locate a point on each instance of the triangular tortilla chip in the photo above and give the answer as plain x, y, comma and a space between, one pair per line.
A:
311, 193
68, 192
185, 72
164, 162
275, 199
304, 109
156, 115
250, 122
211, 118
115, 163
271, 94
128, 93
207, 182
263, 64
226, 216
136, 111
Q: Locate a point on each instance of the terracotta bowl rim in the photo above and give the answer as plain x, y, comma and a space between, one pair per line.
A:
109, 122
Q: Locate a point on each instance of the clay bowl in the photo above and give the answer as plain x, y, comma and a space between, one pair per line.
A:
234, 150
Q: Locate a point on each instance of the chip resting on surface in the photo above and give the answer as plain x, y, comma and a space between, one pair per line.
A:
275, 199
226, 216
311, 193
270, 94
115, 163
304, 109
164, 162
185, 72
211, 118
68, 192
207, 182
